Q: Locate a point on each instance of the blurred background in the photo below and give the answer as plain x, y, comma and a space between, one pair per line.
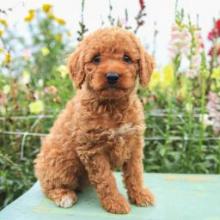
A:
182, 101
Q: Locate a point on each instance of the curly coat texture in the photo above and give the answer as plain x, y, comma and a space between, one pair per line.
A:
102, 127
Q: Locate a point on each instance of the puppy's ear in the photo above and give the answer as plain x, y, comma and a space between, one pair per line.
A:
76, 67
146, 67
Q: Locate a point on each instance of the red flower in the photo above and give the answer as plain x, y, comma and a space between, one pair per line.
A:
142, 4
217, 24
215, 32
214, 51
210, 35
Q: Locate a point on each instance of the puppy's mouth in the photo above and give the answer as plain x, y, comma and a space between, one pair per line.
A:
112, 92
112, 87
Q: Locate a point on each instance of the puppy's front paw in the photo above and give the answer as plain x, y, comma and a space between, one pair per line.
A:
142, 198
116, 204
67, 200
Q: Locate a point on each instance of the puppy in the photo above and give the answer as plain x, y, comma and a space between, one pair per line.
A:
102, 127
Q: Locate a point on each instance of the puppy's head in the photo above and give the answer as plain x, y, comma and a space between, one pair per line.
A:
108, 62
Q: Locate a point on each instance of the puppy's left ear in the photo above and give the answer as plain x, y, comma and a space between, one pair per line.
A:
146, 67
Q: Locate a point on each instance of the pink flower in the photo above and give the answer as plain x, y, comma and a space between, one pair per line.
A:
213, 107
180, 41
27, 54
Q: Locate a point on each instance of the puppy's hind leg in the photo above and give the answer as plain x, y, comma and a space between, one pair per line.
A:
59, 176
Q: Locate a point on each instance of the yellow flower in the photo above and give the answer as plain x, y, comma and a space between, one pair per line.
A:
46, 7
63, 71
7, 58
45, 51
60, 21
6, 89
168, 75
1, 50
155, 80
216, 73
3, 22
51, 16
25, 78
58, 37
36, 107
30, 16
1, 33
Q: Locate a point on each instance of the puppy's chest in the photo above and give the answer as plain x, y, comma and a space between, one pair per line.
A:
113, 136
119, 151
120, 143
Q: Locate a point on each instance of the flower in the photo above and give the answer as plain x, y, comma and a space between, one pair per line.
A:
7, 58
187, 41
40, 82
180, 41
168, 75
155, 80
58, 37
25, 78
142, 4
51, 15
215, 32
1, 33
215, 50
63, 71
216, 73
36, 107
45, 51
213, 107
30, 16
60, 21
163, 79
26, 54
3, 22
6, 89
46, 7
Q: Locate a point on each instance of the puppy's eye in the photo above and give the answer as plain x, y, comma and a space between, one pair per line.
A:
127, 59
96, 59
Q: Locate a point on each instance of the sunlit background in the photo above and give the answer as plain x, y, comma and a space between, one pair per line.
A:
160, 15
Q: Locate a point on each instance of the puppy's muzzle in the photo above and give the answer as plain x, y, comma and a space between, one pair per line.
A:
112, 78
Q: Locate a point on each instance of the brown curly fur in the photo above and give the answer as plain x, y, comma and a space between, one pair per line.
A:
101, 128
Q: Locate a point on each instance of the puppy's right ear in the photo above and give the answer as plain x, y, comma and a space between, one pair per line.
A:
76, 67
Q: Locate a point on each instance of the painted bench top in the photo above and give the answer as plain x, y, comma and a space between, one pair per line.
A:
179, 197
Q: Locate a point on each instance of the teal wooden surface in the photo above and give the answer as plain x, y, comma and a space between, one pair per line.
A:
188, 197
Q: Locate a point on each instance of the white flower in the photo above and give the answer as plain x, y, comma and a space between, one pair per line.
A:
40, 82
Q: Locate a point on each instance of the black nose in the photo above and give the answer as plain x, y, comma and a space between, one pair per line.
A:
112, 77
